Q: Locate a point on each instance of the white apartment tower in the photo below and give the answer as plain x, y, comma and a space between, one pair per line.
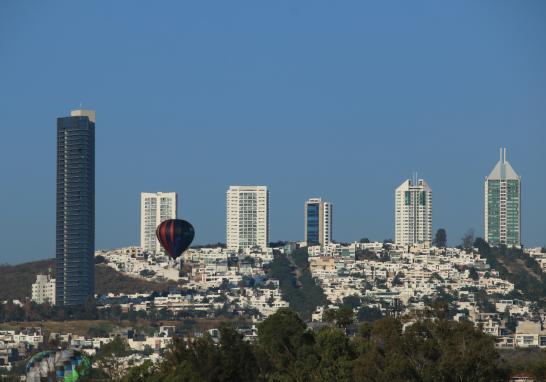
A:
247, 217
155, 208
413, 213
318, 222
43, 290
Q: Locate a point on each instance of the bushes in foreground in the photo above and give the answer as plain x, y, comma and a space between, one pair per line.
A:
286, 350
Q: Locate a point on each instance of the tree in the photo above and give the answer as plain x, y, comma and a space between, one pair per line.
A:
473, 274
142, 373
237, 358
369, 314
351, 302
342, 317
468, 239
108, 358
282, 339
482, 245
364, 240
427, 350
336, 354
440, 239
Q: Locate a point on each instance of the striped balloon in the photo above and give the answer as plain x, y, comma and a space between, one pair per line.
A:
175, 236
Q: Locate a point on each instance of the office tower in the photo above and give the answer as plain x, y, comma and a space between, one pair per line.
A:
75, 239
318, 222
503, 204
413, 213
155, 208
247, 217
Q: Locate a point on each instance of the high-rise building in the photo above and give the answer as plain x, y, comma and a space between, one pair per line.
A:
503, 204
318, 222
247, 217
413, 213
43, 290
75, 238
155, 208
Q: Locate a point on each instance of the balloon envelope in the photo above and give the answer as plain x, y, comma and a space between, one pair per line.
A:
175, 236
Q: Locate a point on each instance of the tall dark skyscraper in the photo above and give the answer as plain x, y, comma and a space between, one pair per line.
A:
75, 241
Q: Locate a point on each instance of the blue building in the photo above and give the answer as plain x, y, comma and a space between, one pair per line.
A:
75, 224
318, 222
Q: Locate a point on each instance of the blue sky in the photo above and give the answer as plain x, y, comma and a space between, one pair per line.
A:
342, 100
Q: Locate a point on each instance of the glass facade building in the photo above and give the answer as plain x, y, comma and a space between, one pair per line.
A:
313, 219
503, 204
75, 222
318, 222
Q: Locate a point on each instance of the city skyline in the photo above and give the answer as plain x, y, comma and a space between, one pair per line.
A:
192, 230
199, 104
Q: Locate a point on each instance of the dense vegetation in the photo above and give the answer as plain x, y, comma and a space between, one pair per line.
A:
297, 285
286, 350
518, 268
107, 280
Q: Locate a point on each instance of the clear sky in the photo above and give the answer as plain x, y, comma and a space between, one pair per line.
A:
337, 99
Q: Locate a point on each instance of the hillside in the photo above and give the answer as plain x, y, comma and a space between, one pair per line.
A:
297, 285
16, 280
518, 268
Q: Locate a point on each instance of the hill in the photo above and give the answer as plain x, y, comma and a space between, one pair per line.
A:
517, 267
296, 282
17, 280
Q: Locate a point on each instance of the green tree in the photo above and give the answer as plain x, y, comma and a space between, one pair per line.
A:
341, 317
473, 274
283, 340
369, 314
108, 358
440, 239
468, 239
336, 354
351, 302
427, 350
142, 373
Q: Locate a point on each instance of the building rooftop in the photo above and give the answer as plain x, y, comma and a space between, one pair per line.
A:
503, 170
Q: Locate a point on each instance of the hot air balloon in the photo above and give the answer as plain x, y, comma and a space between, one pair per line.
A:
175, 236
66, 365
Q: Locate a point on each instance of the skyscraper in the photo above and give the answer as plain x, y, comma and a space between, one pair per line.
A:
318, 222
503, 204
247, 217
75, 238
155, 208
413, 213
